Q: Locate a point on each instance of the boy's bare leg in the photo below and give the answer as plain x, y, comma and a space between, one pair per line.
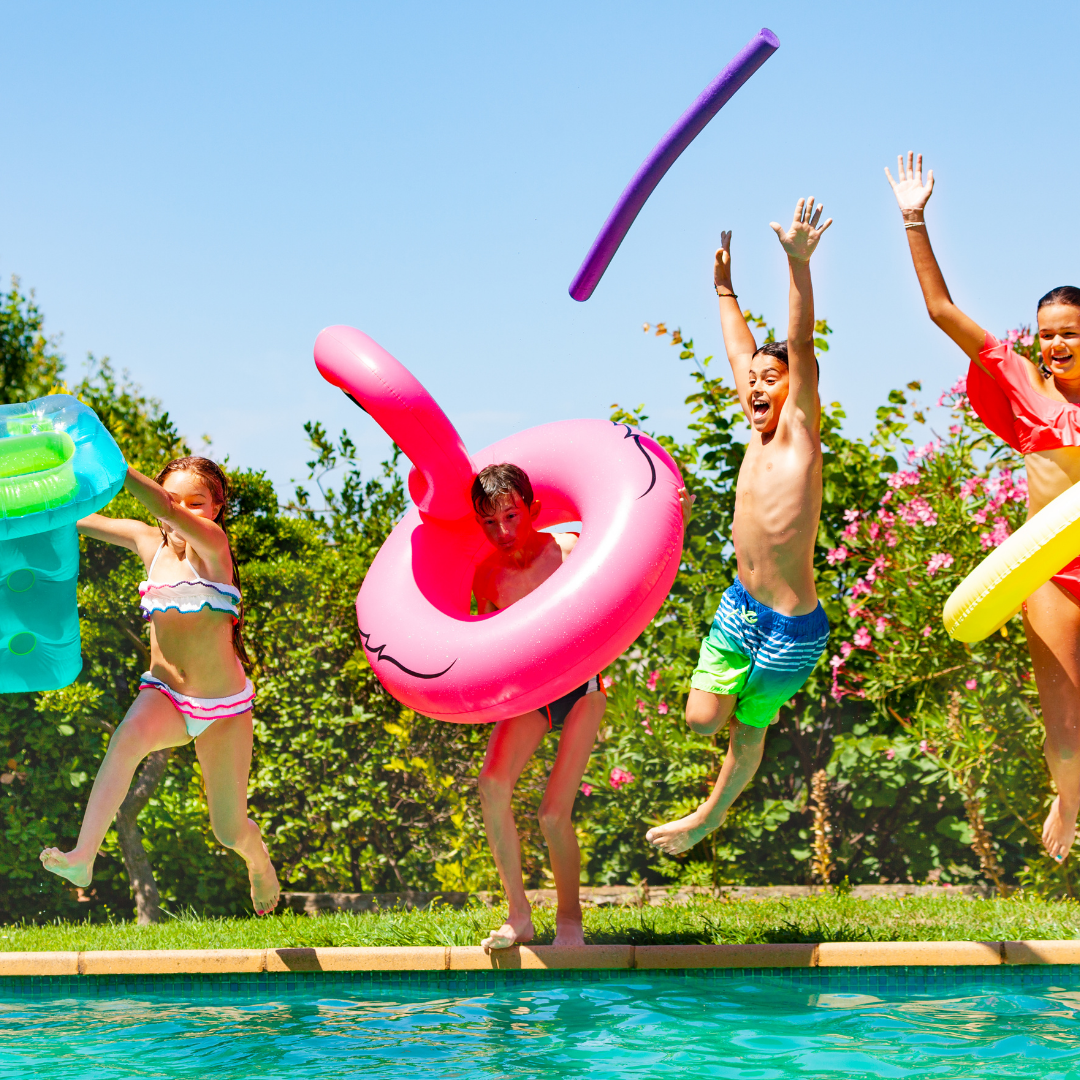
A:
1052, 625
151, 723
740, 763
556, 810
510, 746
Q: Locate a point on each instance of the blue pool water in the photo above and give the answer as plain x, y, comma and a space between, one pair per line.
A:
879, 1023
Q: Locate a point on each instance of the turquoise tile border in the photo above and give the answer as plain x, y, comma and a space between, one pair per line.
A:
876, 981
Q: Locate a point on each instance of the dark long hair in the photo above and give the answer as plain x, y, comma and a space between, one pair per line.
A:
1063, 294
215, 479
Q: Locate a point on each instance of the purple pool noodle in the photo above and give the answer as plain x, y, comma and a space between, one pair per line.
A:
709, 102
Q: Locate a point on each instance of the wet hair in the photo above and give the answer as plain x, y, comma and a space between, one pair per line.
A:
1063, 294
217, 483
495, 482
778, 351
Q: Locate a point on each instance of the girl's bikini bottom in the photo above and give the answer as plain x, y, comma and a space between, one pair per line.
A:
200, 713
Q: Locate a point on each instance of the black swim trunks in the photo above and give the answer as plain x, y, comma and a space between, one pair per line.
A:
557, 712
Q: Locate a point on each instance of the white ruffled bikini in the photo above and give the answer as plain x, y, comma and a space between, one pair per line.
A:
189, 597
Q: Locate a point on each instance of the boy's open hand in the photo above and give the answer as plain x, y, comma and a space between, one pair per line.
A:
722, 266
910, 191
802, 238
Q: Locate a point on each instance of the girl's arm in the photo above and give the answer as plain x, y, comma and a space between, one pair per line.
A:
912, 195
739, 342
206, 537
124, 532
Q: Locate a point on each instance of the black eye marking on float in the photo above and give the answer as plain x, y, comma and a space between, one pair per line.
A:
637, 439
379, 655
354, 401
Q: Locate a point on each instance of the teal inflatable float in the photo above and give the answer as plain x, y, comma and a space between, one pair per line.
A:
57, 464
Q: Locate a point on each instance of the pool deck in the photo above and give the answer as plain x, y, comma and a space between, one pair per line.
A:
544, 958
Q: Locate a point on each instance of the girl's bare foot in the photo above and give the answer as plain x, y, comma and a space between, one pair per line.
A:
265, 890
678, 836
515, 931
1059, 831
68, 864
568, 930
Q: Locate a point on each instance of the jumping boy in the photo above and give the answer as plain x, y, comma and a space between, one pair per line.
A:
524, 558
769, 630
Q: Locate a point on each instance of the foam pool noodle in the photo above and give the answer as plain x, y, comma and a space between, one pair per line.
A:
57, 464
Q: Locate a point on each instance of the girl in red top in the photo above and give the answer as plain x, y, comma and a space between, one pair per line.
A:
1038, 413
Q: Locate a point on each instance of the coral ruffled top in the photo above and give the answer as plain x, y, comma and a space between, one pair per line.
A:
1012, 408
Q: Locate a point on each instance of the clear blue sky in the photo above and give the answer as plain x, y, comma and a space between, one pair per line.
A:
196, 189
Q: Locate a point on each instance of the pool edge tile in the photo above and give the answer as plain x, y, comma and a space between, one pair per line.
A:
1041, 952
39, 963
671, 957
171, 961
910, 953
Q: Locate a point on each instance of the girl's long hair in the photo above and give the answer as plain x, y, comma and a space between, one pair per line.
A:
215, 479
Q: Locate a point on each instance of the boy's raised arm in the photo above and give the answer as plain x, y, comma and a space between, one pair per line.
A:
799, 243
739, 342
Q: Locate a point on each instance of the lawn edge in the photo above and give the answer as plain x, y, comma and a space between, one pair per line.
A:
541, 957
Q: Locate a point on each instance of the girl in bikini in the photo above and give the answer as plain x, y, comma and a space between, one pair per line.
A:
1038, 414
196, 687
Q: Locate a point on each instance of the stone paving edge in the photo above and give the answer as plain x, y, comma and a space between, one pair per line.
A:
543, 957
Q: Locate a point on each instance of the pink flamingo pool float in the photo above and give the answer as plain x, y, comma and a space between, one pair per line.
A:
413, 608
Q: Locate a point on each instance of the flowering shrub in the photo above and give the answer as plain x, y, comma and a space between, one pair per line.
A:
619, 777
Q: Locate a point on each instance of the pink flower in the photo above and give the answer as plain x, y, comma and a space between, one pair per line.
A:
890, 753
903, 479
846, 648
970, 486
887, 518
887, 497
860, 588
923, 747
862, 638
662, 708
851, 531
926, 631
998, 535
882, 624
835, 662
619, 777
652, 680
586, 790
971, 684
955, 429
1012, 337
875, 528
645, 725
609, 682
851, 515
927, 451
1027, 340
890, 539
642, 706
875, 568
942, 560
836, 555
918, 512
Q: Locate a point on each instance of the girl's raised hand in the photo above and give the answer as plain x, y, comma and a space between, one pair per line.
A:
802, 238
722, 265
910, 191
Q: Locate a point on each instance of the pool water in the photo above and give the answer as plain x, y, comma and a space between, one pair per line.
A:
631, 1025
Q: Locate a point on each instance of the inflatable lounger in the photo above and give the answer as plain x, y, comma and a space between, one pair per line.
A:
57, 464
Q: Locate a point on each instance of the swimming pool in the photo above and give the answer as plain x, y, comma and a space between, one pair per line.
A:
732, 1023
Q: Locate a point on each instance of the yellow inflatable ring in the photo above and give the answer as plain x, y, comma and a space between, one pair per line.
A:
994, 591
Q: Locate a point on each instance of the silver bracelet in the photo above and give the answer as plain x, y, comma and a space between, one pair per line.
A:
913, 224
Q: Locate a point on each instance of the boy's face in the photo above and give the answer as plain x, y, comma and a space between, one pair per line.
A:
510, 525
768, 392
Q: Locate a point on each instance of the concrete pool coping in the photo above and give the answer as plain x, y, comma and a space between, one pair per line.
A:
543, 957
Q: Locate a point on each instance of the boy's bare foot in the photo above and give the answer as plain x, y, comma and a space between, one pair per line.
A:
512, 932
568, 930
678, 836
68, 864
265, 890
1059, 831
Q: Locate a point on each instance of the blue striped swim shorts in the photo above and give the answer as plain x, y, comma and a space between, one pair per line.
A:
758, 654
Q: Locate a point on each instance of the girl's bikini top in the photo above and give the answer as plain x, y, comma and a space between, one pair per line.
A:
1013, 409
186, 596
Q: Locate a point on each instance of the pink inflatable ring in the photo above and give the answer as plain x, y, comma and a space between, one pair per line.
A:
413, 609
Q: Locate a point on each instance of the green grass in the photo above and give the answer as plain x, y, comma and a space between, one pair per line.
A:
815, 918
